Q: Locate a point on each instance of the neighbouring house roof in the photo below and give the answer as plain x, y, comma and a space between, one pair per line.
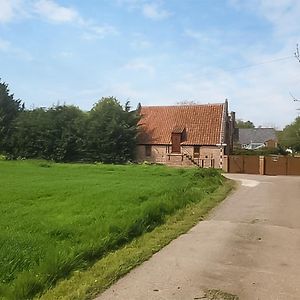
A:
200, 124
256, 135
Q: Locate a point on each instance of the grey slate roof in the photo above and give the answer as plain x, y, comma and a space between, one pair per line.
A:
256, 135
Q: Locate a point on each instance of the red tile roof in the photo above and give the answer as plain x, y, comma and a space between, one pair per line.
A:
202, 124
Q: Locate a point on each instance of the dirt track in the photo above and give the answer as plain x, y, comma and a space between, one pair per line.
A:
249, 247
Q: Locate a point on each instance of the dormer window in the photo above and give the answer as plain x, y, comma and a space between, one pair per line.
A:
177, 138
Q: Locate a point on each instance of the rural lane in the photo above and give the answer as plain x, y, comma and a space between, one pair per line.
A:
249, 246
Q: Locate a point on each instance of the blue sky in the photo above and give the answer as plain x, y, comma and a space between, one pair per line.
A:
157, 52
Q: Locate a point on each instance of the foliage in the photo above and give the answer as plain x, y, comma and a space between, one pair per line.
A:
290, 136
112, 131
54, 134
244, 124
65, 133
60, 217
9, 109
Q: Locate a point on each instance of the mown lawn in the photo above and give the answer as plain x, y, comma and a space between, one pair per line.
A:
56, 218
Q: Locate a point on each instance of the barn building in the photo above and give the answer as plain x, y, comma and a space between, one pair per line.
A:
185, 135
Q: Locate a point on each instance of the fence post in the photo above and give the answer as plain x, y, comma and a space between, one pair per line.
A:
225, 163
261, 165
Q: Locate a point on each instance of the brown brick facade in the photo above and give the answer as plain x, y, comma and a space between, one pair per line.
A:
185, 135
209, 156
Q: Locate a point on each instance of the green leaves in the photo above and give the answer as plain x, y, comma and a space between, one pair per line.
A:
111, 132
65, 133
54, 134
290, 136
9, 109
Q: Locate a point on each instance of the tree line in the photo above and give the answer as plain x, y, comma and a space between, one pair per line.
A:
64, 133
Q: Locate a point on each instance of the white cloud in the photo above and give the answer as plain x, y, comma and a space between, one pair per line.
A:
140, 65
150, 9
54, 12
4, 45
259, 94
93, 31
282, 14
9, 49
264, 90
197, 35
202, 37
50, 10
155, 11
9, 9
124, 90
130, 4
139, 42
64, 55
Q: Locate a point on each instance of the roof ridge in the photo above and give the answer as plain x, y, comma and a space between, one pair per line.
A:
258, 128
186, 105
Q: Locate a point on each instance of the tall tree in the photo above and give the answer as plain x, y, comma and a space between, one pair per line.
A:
9, 109
290, 136
112, 131
56, 134
68, 132
31, 134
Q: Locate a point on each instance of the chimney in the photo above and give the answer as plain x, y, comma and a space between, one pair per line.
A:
232, 114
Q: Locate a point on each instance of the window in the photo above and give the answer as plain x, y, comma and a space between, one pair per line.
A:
148, 150
196, 151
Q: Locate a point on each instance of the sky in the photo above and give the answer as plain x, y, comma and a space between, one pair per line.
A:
157, 52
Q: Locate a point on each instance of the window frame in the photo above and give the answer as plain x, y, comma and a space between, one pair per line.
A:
148, 150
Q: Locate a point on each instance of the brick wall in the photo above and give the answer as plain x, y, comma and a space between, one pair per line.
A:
211, 151
161, 154
158, 154
271, 144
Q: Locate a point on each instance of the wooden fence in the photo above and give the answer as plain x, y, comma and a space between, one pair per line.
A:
264, 165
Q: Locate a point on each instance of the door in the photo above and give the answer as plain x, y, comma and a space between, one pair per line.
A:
176, 140
251, 164
276, 165
196, 151
235, 164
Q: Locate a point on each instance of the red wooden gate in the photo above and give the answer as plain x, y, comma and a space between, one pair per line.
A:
243, 164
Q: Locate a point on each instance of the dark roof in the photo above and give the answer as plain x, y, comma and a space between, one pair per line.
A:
256, 135
200, 124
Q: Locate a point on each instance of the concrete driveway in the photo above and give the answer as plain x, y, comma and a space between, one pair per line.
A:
249, 247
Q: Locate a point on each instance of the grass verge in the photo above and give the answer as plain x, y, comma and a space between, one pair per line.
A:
88, 283
59, 218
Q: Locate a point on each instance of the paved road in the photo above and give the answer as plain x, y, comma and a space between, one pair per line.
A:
249, 247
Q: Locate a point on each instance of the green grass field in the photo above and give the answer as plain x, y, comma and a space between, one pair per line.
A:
56, 218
